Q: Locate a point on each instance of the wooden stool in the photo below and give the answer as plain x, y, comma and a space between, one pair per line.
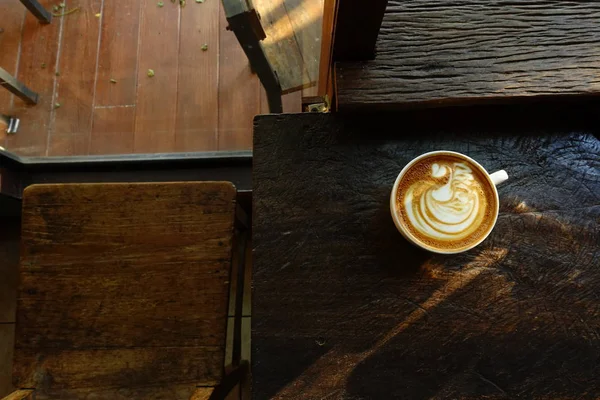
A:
124, 291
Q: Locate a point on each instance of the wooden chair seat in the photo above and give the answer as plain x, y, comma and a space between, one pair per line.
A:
124, 290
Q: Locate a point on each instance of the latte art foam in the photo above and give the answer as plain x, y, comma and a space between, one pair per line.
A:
445, 211
446, 202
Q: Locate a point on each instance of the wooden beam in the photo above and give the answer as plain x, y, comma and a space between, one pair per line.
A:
325, 86
433, 53
350, 30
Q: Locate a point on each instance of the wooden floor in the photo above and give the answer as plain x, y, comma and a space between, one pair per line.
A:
91, 71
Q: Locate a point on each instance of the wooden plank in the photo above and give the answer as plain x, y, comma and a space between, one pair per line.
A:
239, 93
21, 395
10, 40
138, 276
280, 45
325, 85
39, 47
444, 52
113, 130
306, 18
70, 132
198, 81
121, 367
156, 102
7, 340
341, 300
118, 53
150, 392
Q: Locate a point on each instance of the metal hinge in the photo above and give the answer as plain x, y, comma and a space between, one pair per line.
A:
322, 107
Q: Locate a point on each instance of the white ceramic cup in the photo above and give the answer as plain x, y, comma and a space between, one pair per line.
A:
494, 179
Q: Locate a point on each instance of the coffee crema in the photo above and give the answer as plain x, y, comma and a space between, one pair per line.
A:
446, 202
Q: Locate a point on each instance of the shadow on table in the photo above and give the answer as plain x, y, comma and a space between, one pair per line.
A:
520, 328
417, 367
395, 255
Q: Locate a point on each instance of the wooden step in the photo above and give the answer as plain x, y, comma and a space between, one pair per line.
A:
448, 52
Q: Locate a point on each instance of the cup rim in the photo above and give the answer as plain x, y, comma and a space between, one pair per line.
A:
407, 235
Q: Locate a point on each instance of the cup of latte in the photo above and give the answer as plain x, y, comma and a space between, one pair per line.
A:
445, 202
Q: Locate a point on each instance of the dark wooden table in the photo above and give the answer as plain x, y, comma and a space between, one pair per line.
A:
345, 308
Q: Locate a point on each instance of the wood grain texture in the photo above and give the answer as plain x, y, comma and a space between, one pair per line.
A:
123, 286
437, 52
39, 45
113, 131
306, 17
345, 308
156, 102
178, 108
150, 392
117, 56
21, 395
239, 93
281, 45
13, 14
325, 84
198, 81
72, 121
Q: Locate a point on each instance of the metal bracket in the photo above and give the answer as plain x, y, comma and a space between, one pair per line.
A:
322, 107
244, 21
36, 9
17, 88
12, 123
255, 25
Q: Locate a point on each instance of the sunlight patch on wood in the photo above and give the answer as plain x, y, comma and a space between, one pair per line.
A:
321, 372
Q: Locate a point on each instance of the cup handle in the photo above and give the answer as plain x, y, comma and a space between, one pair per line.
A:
498, 177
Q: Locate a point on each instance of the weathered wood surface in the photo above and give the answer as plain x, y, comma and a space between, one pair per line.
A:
325, 83
123, 289
281, 45
20, 395
306, 17
345, 308
445, 51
